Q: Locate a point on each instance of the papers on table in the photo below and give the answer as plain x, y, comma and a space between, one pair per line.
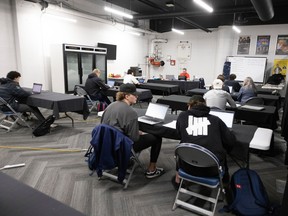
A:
100, 113
171, 124
252, 107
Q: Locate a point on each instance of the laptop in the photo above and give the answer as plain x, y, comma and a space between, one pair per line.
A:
170, 77
141, 80
226, 116
111, 83
155, 114
36, 89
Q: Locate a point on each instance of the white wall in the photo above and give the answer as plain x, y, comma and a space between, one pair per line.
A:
28, 34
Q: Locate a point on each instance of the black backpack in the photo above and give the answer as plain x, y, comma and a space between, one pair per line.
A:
91, 159
44, 127
249, 195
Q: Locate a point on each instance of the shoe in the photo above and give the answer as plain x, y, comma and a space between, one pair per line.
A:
157, 172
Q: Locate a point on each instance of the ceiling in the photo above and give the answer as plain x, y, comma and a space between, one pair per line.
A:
185, 14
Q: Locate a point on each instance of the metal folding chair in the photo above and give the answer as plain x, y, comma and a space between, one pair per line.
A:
11, 117
200, 158
81, 92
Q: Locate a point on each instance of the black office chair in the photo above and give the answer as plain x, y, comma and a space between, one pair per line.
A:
11, 117
255, 101
113, 150
81, 92
199, 158
183, 78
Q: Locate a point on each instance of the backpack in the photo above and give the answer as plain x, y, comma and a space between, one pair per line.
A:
44, 127
101, 106
91, 159
249, 195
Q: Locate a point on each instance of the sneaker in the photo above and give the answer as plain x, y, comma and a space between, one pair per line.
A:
157, 172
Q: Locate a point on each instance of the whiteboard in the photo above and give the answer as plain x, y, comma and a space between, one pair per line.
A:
243, 67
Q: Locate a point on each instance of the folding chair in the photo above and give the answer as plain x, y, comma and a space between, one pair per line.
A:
113, 152
11, 117
81, 92
199, 158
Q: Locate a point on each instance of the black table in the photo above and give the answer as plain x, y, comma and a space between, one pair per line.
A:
164, 89
144, 96
266, 118
243, 134
184, 86
196, 91
59, 102
18, 199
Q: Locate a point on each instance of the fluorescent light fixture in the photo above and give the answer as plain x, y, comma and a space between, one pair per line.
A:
204, 5
61, 18
117, 12
134, 33
177, 31
235, 28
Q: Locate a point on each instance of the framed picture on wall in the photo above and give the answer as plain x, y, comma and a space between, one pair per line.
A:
243, 45
262, 45
282, 45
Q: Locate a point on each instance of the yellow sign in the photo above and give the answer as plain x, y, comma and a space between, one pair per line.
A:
280, 66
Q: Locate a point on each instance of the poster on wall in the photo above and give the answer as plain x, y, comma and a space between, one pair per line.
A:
262, 45
280, 66
243, 45
282, 45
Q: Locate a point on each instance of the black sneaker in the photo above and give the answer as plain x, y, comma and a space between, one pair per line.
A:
157, 172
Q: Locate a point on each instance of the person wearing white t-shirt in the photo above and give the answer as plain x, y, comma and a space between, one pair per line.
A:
129, 78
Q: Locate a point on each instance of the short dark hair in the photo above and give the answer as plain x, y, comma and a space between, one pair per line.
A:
13, 74
196, 100
130, 71
232, 76
221, 77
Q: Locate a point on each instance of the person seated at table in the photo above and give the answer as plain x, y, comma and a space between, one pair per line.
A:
122, 116
130, 78
233, 83
96, 88
184, 73
247, 91
13, 94
224, 87
218, 139
217, 97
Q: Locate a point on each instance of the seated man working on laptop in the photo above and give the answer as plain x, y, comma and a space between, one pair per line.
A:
13, 94
122, 116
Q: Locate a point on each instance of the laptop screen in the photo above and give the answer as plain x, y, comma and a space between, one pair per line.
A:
170, 77
156, 110
111, 83
37, 87
226, 116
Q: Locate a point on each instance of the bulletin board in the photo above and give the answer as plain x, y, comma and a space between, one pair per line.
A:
184, 51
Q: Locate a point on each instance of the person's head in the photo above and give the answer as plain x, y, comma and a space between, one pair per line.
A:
217, 84
248, 82
196, 100
127, 93
14, 75
130, 71
97, 72
221, 77
184, 70
232, 77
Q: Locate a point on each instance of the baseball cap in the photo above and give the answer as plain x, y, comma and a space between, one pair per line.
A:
217, 84
129, 88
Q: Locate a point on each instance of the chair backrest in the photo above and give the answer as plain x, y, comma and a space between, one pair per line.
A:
4, 103
196, 156
255, 101
80, 91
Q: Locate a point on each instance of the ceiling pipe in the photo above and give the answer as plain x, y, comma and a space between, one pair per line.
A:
189, 22
264, 9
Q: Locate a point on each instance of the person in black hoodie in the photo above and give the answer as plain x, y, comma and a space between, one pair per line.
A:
96, 88
218, 138
14, 95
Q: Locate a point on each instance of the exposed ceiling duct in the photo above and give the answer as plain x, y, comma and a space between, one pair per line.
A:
264, 9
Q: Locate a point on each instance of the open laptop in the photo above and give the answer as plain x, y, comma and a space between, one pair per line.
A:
226, 116
155, 113
170, 77
111, 83
37, 88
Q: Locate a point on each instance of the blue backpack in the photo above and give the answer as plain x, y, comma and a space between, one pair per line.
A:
249, 195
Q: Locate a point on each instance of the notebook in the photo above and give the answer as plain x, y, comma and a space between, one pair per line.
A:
111, 83
155, 113
226, 116
36, 89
